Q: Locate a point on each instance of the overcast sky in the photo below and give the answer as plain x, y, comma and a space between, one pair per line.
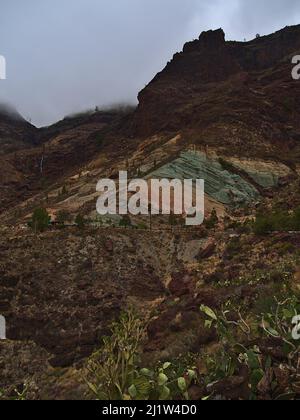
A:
68, 55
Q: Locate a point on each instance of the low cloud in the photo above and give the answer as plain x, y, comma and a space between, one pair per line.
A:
64, 55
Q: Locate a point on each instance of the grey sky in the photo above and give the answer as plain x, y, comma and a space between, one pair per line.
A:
67, 55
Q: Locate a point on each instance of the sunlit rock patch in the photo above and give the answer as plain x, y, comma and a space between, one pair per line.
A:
266, 174
222, 185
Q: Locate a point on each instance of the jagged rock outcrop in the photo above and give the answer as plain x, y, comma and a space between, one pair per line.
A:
232, 94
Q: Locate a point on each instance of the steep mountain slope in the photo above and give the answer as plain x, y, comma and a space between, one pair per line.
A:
239, 96
15, 132
16, 136
55, 153
231, 99
222, 111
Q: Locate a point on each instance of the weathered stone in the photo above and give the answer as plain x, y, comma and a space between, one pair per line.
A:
180, 284
208, 251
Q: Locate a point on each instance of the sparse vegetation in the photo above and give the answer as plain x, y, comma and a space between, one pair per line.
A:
40, 220
279, 220
62, 217
114, 372
142, 226
125, 221
212, 221
16, 395
244, 358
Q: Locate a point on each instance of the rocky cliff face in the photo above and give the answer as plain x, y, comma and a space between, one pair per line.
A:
227, 91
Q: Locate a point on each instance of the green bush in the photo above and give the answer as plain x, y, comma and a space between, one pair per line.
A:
17, 394
262, 225
114, 372
212, 222
296, 219
40, 220
281, 221
125, 221
241, 349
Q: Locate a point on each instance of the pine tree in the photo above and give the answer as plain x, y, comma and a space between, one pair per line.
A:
40, 220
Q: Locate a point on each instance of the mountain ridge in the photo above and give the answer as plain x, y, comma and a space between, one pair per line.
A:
207, 115
193, 74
